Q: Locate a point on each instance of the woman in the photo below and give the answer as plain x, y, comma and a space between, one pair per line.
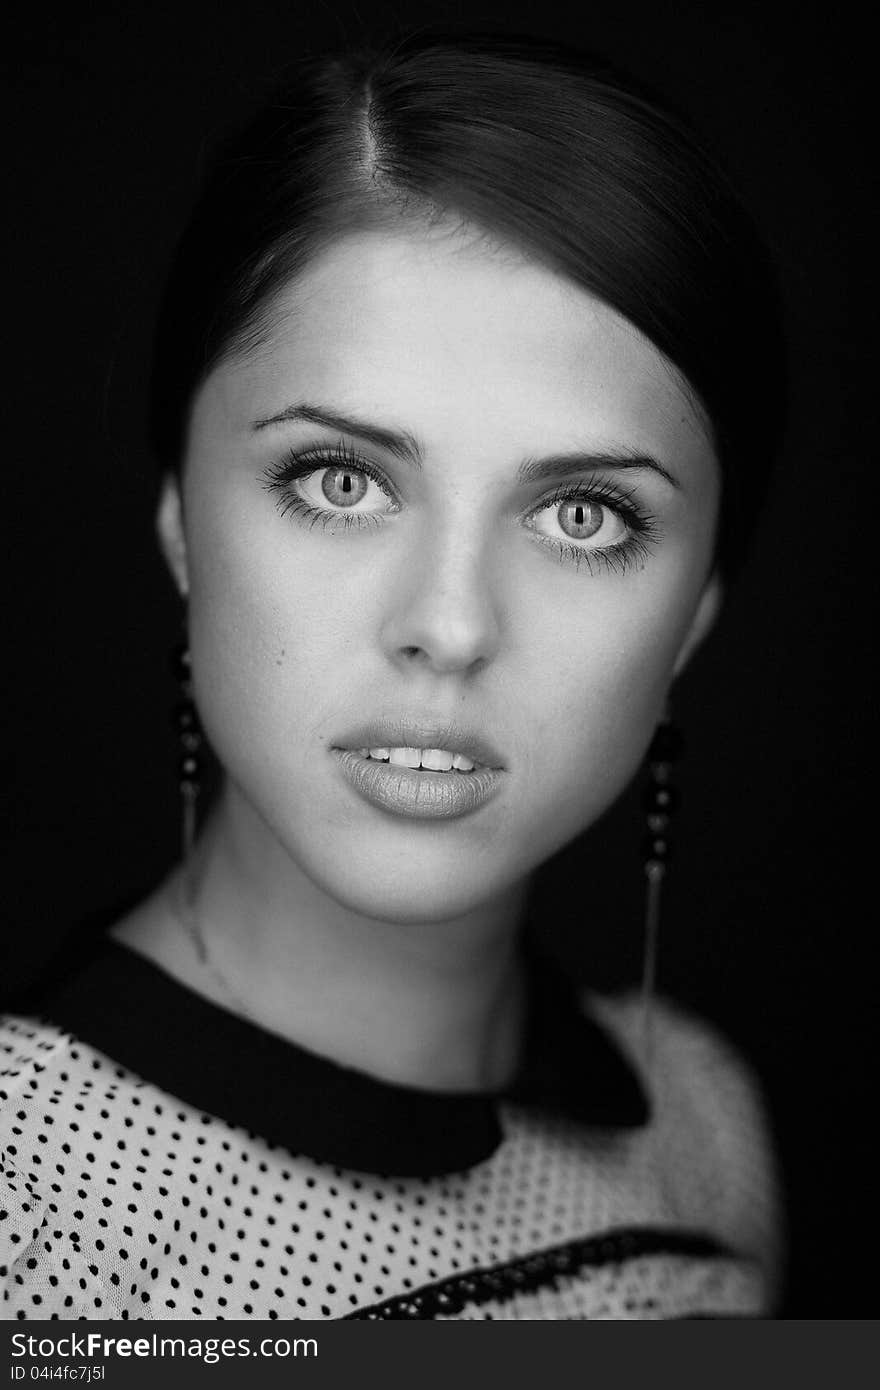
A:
466, 383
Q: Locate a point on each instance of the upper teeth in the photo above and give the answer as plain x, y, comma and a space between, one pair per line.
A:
435, 759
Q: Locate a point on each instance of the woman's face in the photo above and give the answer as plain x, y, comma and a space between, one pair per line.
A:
438, 496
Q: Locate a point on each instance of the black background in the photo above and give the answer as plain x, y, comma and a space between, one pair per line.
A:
766, 926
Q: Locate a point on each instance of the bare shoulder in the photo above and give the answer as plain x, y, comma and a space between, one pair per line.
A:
710, 1129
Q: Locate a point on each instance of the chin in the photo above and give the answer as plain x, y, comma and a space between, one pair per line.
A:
413, 896
398, 871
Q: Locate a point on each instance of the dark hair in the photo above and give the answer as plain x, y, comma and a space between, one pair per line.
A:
537, 144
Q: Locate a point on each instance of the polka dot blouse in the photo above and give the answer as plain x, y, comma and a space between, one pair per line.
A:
163, 1158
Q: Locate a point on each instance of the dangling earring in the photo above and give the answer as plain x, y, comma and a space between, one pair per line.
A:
661, 800
189, 780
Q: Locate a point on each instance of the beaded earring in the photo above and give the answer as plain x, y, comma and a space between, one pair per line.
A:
661, 799
189, 769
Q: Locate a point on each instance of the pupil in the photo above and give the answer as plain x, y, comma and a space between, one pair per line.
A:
343, 485
580, 519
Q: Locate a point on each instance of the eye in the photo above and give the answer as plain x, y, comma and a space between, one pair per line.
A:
343, 486
332, 488
586, 520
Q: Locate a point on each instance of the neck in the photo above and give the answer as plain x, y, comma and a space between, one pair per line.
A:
439, 1005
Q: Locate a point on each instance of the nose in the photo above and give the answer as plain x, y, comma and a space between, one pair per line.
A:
443, 615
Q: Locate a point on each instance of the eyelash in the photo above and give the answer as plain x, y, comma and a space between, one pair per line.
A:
618, 558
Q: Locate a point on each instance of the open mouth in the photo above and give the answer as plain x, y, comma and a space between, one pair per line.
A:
420, 783
425, 759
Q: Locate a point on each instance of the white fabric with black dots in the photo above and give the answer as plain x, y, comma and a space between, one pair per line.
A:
120, 1201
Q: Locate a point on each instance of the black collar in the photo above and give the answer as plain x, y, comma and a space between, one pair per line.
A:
142, 1018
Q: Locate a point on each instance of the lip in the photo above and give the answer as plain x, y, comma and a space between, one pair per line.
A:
417, 793
423, 733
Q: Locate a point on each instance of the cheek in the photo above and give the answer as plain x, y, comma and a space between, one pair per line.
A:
597, 686
263, 633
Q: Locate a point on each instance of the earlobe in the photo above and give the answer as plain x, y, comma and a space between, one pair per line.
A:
170, 531
702, 623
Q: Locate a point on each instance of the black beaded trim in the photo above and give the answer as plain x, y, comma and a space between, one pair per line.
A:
544, 1269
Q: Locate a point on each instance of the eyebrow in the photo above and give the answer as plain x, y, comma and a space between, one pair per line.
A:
399, 443
403, 445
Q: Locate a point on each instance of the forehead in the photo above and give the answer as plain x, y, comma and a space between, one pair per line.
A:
441, 334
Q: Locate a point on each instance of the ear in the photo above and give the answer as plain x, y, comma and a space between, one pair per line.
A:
702, 622
170, 530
